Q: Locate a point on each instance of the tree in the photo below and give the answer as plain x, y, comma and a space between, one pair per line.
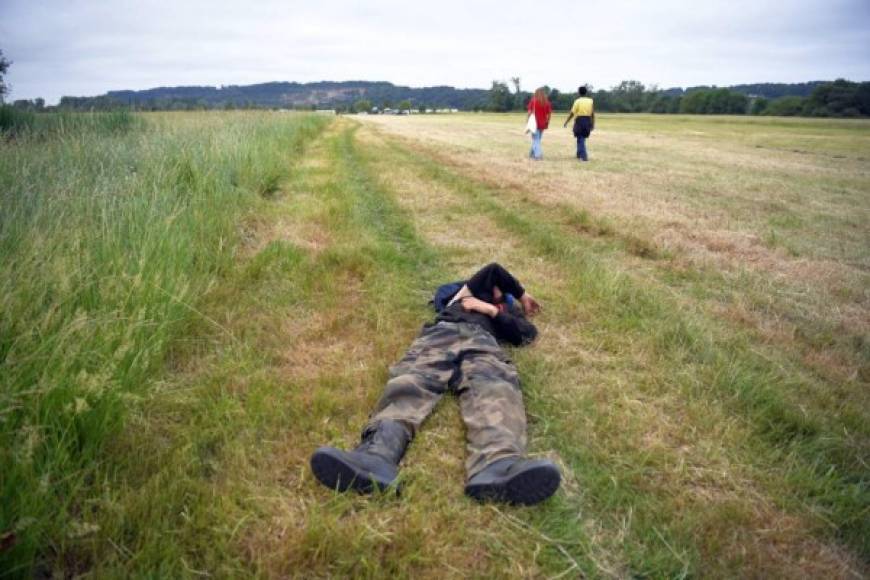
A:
717, 103
362, 106
862, 97
629, 96
603, 101
840, 98
786, 106
520, 99
404, 105
560, 101
37, 104
661, 104
714, 102
738, 103
4, 66
759, 105
500, 98
695, 102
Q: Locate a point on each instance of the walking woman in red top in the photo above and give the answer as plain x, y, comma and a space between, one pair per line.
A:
540, 107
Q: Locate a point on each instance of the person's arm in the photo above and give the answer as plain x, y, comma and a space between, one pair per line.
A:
530, 305
570, 116
491, 275
482, 283
472, 304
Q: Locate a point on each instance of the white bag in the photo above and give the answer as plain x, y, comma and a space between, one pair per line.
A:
532, 124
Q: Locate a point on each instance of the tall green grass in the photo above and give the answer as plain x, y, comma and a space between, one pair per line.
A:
112, 228
17, 123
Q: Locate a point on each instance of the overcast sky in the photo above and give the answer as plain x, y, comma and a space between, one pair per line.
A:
80, 47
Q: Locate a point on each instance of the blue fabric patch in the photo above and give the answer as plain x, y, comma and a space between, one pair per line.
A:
444, 294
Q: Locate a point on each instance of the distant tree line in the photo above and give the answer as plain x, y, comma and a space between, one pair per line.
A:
341, 96
840, 98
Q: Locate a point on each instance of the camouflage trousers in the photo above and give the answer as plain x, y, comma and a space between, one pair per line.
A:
467, 360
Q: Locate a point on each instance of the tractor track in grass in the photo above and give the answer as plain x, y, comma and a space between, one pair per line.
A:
698, 463
335, 361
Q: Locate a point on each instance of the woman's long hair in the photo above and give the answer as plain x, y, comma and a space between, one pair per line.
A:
541, 96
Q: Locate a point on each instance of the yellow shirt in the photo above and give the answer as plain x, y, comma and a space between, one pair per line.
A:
582, 107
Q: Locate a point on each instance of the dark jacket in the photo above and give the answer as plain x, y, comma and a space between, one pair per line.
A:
509, 326
582, 126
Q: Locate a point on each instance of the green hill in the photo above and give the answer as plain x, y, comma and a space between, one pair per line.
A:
284, 95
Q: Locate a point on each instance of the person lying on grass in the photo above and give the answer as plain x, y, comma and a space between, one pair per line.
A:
457, 352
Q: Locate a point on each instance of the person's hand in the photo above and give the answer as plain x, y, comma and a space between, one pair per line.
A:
530, 305
472, 304
565, 125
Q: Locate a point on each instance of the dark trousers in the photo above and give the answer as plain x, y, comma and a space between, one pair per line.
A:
582, 129
581, 149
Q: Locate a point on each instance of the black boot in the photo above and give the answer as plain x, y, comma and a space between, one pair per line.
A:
373, 464
515, 480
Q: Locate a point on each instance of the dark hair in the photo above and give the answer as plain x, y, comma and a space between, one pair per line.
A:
528, 331
582, 90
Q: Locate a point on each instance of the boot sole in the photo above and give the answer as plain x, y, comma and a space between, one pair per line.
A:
525, 488
335, 473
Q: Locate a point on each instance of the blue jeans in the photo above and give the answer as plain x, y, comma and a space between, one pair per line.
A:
581, 149
535, 152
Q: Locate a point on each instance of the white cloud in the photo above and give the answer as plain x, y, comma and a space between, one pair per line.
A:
88, 47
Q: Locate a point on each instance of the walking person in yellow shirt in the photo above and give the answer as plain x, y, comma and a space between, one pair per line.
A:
584, 122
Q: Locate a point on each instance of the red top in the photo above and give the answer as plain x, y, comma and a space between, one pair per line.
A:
542, 113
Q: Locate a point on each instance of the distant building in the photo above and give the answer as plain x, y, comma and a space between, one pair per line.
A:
325, 111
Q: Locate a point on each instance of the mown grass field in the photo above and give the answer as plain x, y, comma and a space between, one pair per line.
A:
192, 303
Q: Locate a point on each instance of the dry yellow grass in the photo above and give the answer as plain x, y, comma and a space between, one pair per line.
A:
712, 197
694, 441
